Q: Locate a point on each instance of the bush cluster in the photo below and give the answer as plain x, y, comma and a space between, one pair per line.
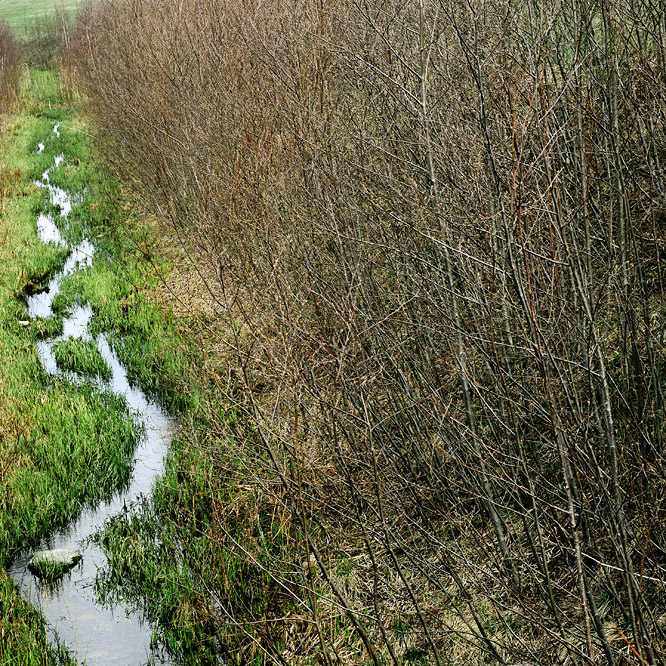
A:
437, 231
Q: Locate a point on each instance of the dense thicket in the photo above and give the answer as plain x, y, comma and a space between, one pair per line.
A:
10, 65
438, 234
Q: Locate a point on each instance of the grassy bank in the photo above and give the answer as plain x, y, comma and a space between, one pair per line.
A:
63, 446
59, 447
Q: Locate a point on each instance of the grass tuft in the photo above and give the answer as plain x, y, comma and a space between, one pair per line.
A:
81, 356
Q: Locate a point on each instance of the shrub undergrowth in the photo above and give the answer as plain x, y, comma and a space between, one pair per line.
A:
429, 238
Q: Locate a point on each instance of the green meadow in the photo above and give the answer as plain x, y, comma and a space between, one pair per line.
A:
20, 13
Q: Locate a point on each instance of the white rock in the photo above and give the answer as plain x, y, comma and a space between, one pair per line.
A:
53, 562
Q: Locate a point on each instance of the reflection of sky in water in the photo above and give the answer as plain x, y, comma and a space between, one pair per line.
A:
47, 229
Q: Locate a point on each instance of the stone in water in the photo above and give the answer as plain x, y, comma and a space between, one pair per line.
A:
51, 564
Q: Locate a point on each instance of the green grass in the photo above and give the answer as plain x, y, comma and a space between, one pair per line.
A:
63, 446
60, 446
24, 638
143, 570
81, 356
20, 13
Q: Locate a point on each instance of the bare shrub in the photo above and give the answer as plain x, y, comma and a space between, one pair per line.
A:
46, 37
438, 233
10, 66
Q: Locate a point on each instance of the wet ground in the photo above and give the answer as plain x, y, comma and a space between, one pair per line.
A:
96, 635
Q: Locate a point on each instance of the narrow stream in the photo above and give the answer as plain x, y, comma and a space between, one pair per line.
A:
95, 635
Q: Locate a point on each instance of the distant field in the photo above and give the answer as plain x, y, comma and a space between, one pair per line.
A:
19, 13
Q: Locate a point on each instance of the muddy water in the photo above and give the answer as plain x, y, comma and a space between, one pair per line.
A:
98, 636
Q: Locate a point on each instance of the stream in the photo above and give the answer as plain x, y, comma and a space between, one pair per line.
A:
95, 635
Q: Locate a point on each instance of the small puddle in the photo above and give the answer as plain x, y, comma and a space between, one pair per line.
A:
96, 635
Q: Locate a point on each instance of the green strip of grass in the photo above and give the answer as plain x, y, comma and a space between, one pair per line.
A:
24, 639
61, 445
